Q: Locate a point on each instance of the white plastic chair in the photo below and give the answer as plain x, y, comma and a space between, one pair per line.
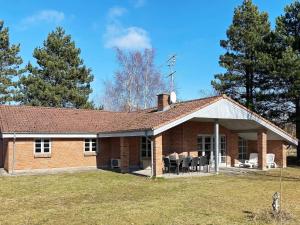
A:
271, 160
252, 162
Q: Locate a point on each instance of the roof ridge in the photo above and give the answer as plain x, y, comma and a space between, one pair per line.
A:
199, 99
58, 108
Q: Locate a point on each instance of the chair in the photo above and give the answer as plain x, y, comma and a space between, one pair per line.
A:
195, 163
174, 156
186, 163
182, 155
203, 161
168, 165
175, 161
252, 162
271, 160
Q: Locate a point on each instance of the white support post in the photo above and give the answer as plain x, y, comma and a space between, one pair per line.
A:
152, 161
151, 146
217, 140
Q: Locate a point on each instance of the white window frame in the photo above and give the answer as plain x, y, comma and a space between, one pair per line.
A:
148, 154
212, 143
90, 145
42, 146
243, 147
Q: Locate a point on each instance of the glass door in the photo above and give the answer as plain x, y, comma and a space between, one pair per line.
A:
206, 147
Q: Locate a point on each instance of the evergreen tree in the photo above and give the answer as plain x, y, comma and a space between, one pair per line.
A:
243, 58
60, 79
288, 63
10, 62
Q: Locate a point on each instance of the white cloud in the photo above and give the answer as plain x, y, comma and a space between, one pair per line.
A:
127, 38
130, 38
138, 3
115, 12
44, 16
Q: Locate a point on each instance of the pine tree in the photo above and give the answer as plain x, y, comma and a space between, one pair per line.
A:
243, 57
61, 79
288, 63
10, 62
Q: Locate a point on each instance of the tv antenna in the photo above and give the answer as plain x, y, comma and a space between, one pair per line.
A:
171, 64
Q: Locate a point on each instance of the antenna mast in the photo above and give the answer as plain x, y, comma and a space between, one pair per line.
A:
171, 64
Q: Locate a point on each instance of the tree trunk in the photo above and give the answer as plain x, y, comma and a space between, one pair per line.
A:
298, 126
247, 89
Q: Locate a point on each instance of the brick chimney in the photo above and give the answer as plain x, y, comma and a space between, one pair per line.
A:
163, 102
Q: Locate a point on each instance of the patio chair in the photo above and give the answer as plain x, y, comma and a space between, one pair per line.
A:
186, 163
175, 161
252, 162
195, 163
203, 162
167, 164
271, 160
174, 156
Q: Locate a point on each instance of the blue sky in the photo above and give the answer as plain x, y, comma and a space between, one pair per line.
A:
192, 29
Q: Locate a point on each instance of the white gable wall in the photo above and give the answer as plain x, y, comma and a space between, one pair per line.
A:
225, 109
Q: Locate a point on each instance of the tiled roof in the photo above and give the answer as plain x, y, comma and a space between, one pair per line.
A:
29, 119
46, 120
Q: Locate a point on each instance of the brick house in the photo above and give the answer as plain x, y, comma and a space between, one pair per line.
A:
47, 138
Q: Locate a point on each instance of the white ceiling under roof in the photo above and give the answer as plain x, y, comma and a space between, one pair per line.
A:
245, 128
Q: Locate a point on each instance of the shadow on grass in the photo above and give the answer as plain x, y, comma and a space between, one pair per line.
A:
292, 161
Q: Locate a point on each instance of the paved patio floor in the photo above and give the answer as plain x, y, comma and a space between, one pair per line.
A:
226, 170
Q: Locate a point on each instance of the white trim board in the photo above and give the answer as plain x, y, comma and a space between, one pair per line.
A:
225, 109
125, 134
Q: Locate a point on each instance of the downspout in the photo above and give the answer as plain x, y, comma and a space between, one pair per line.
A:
14, 154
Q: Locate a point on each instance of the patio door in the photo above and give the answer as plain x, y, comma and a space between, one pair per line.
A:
206, 147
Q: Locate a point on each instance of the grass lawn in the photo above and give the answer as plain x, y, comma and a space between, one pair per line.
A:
112, 198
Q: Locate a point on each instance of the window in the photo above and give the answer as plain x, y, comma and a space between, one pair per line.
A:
90, 145
42, 146
206, 144
145, 148
199, 143
223, 149
243, 148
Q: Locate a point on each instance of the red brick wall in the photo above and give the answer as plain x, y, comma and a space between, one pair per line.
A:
162, 101
134, 154
67, 153
157, 157
232, 148
64, 153
183, 138
109, 149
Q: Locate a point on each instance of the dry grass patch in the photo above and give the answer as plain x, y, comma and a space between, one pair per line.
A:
112, 198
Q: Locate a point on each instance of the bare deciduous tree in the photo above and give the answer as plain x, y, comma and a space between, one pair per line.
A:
135, 84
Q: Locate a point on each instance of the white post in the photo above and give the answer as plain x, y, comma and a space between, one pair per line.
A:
151, 146
217, 140
152, 161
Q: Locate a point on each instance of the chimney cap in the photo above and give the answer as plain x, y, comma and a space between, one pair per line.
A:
164, 93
